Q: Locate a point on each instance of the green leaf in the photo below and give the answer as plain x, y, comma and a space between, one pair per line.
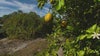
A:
81, 53
96, 0
81, 37
70, 28
89, 36
53, 52
98, 29
60, 4
46, 54
92, 29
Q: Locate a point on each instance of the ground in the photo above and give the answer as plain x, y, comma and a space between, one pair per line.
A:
21, 47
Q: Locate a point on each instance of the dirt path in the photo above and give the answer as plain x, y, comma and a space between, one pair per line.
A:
21, 47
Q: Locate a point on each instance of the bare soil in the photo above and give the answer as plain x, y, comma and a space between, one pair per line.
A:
21, 47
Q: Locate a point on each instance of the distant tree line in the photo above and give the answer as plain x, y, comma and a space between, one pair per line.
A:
22, 25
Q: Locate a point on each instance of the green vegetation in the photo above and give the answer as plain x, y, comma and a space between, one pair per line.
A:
19, 25
74, 28
81, 35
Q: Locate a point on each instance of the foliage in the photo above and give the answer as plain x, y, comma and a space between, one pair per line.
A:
83, 45
2, 31
21, 25
81, 35
79, 14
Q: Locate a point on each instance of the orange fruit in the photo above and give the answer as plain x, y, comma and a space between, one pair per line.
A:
48, 17
63, 23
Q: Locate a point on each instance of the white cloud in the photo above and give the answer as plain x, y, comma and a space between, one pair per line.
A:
5, 8
6, 2
21, 6
24, 6
41, 13
5, 11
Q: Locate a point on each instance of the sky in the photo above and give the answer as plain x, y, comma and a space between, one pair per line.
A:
9, 6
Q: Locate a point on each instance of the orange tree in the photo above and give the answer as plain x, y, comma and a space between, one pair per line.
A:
79, 14
83, 24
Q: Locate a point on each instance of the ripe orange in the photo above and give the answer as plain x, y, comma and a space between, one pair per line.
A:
48, 17
63, 23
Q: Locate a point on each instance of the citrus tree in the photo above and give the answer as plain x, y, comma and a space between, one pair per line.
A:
76, 29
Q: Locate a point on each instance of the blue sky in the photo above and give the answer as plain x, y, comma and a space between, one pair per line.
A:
9, 6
